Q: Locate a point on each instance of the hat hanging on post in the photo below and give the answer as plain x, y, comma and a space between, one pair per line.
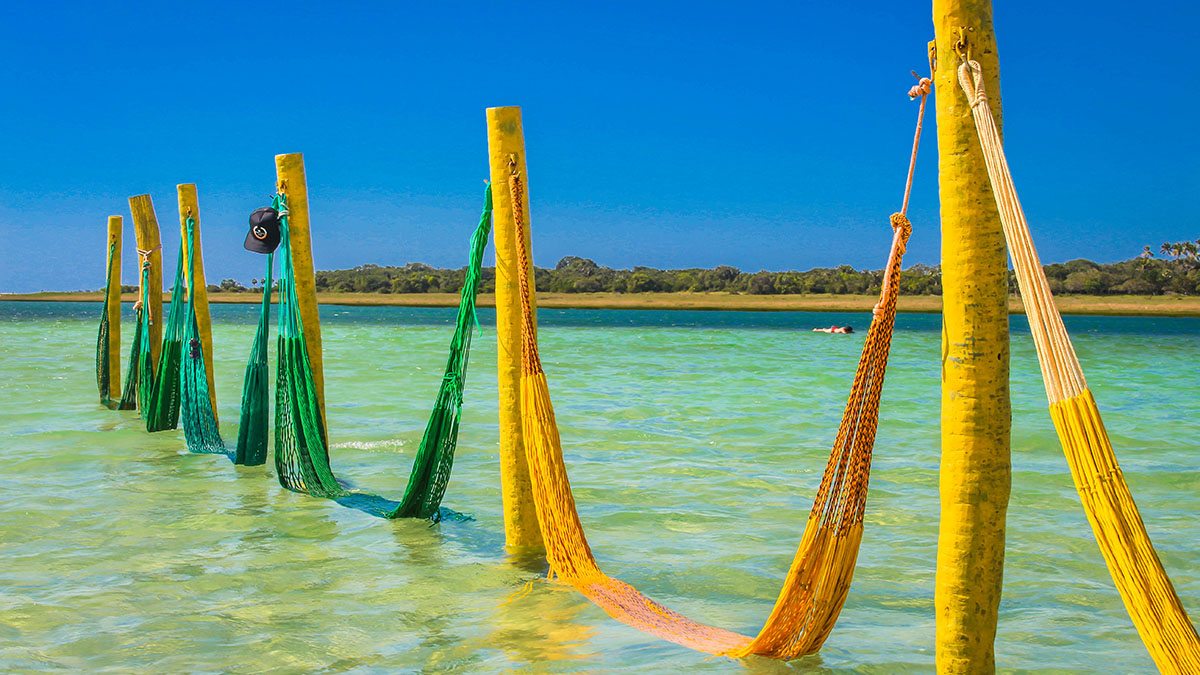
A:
263, 236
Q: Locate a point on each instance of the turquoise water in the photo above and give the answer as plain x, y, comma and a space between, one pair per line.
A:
694, 442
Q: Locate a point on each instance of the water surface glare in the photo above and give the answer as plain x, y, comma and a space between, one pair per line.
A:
694, 441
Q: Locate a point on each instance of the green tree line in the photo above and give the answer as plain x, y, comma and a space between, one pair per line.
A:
1176, 272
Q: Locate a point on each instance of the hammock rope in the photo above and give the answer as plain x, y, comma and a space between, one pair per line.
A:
142, 352
162, 413
818, 580
256, 398
200, 428
1146, 590
103, 341
301, 445
435, 457
129, 391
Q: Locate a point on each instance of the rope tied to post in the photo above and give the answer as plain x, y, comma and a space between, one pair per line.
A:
1146, 590
970, 78
145, 254
818, 580
901, 227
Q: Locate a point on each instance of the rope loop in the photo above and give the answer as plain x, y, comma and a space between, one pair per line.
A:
970, 78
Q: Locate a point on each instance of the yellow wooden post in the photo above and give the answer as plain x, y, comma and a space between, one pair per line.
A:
289, 171
145, 226
506, 143
113, 280
976, 413
189, 205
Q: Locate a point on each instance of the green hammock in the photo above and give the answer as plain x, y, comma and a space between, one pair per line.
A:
435, 457
256, 405
142, 354
103, 366
162, 413
301, 448
129, 393
199, 421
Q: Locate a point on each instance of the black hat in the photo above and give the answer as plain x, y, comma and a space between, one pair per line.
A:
263, 236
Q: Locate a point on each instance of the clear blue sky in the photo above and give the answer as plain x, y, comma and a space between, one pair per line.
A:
766, 136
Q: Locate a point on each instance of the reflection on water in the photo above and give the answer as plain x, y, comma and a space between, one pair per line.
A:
694, 441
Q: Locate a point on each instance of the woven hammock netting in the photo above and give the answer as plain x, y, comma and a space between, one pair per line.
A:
200, 428
160, 408
1149, 596
256, 387
128, 400
818, 581
301, 442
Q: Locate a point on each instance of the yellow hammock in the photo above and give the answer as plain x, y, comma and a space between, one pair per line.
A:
1136, 570
819, 578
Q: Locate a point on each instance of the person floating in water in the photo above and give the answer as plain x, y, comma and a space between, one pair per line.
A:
835, 329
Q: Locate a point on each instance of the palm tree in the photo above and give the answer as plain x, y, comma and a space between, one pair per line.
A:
1189, 250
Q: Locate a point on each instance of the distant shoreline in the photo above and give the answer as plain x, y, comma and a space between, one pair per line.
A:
1112, 305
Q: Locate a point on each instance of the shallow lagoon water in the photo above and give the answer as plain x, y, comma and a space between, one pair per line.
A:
694, 442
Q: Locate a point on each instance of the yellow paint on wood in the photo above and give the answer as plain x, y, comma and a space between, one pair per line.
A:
113, 277
189, 205
145, 226
506, 143
976, 414
289, 170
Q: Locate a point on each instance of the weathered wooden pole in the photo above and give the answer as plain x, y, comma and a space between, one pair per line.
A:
113, 283
506, 143
189, 206
289, 171
145, 226
976, 414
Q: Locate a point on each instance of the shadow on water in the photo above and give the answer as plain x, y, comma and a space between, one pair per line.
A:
382, 507
368, 503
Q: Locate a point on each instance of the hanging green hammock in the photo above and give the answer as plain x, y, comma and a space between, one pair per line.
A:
129, 393
103, 341
256, 402
142, 354
431, 467
200, 427
162, 413
301, 449
301, 446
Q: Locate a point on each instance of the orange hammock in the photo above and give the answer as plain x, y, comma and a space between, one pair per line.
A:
819, 578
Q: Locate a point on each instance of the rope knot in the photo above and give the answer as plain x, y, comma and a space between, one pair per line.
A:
901, 225
145, 255
921, 88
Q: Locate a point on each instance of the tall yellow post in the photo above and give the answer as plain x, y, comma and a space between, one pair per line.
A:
189, 205
113, 281
145, 226
289, 171
506, 143
976, 414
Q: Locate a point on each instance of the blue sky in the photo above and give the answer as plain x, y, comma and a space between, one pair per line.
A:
761, 135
